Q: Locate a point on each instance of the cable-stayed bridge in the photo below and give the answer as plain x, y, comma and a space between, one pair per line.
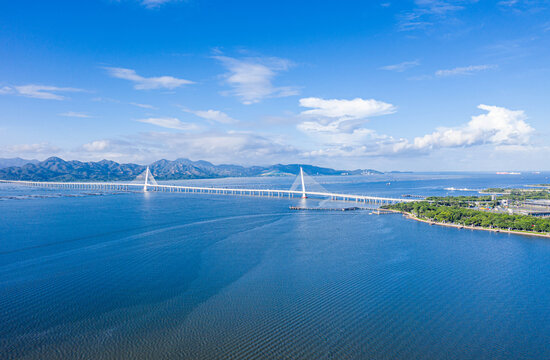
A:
304, 186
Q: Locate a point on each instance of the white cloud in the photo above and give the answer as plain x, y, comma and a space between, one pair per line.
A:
351, 109
339, 121
119, 150
169, 123
405, 65
28, 149
143, 106
226, 146
98, 145
499, 127
75, 114
251, 78
219, 147
426, 13
155, 3
147, 83
334, 136
508, 2
38, 91
105, 100
440, 7
466, 70
524, 5
213, 115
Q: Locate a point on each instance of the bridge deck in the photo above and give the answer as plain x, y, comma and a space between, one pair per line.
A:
114, 186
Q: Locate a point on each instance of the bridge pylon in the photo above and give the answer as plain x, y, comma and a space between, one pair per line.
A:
146, 179
304, 196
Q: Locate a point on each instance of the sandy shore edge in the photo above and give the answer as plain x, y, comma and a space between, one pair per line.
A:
458, 226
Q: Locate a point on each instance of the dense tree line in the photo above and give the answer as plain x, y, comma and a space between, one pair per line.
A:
520, 194
496, 190
469, 217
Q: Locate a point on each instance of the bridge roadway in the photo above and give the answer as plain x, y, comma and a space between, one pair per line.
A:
104, 186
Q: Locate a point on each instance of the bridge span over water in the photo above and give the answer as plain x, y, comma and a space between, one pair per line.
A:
150, 184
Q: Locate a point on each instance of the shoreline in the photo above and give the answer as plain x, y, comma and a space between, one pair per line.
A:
458, 226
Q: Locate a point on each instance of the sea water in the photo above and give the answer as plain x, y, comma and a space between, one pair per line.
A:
169, 275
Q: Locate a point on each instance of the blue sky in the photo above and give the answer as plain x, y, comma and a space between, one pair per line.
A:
407, 85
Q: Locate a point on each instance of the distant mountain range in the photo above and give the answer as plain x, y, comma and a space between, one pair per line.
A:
56, 169
4, 163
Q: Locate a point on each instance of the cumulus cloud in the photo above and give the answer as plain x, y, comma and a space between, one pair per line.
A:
169, 123
251, 78
75, 114
401, 67
213, 115
38, 91
466, 70
147, 83
499, 127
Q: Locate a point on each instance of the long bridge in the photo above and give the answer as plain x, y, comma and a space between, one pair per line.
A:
150, 184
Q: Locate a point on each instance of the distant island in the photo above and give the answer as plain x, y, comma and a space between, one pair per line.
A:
57, 169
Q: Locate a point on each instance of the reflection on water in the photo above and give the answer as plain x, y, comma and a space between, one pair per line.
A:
192, 276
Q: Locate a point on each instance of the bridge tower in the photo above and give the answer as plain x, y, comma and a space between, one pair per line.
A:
146, 179
147, 176
303, 185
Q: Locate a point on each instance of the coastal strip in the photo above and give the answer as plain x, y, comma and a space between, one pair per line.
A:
411, 216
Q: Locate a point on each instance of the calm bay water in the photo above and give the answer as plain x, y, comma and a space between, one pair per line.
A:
162, 275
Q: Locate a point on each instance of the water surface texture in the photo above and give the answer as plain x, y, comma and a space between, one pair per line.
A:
164, 275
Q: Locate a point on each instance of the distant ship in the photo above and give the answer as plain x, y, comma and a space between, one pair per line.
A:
507, 173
